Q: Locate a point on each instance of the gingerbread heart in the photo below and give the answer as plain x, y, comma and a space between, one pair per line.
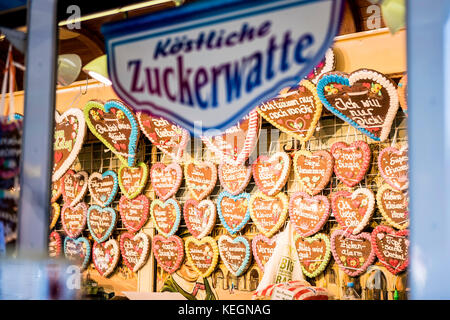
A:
10, 148
166, 179
314, 253
353, 210
103, 187
295, 112
54, 245
235, 253
56, 190
101, 222
202, 254
262, 248
234, 211
234, 178
351, 162
134, 213
169, 252
326, 65
313, 170
166, 216
70, 132
135, 249
55, 211
308, 213
393, 205
236, 143
366, 99
74, 187
391, 248
200, 217
105, 256
393, 166
78, 251
271, 174
132, 180
402, 91
201, 178
268, 213
353, 253
73, 219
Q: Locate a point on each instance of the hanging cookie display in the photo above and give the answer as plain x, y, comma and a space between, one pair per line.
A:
271, 174
262, 248
55, 211
101, 222
313, 169
134, 213
203, 255
201, 178
393, 166
169, 252
73, 219
234, 178
77, 251
314, 253
132, 180
268, 213
10, 148
166, 179
327, 64
135, 249
402, 91
166, 216
74, 187
234, 211
393, 205
105, 256
54, 245
235, 253
103, 187
200, 217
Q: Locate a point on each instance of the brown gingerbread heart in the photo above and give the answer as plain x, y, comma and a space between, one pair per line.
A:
200, 178
262, 248
308, 213
271, 174
234, 178
393, 166
313, 170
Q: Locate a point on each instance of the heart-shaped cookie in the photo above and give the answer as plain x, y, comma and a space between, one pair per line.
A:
202, 254
134, 213
166, 216
235, 253
54, 245
262, 248
326, 65
295, 112
402, 91
55, 211
314, 253
74, 187
236, 143
105, 256
73, 219
169, 252
308, 213
101, 222
56, 190
70, 131
366, 99
103, 187
391, 248
200, 217
351, 162
168, 137
135, 249
313, 170
353, 210
271, 174
234, 178
201, 178
234, 211
393, 205
268, 213
132, 180
353, 253
393, 166
78, 251
166, 179
114, 124
10, 148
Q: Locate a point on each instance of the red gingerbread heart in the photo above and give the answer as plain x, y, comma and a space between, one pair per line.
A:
134, 213
308, 214
169, 252
166, 180
234, 178
200, 217
271, 174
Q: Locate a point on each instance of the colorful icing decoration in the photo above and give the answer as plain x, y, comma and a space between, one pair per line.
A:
54, 245
74, 187
70, 132
101, 222
268, 213
271, 174
168, 137
314, 253
262, 248
326, 65
296, 112
200, 217
169, 252
55, 211
235, 253
236, 143
234, 211
10, 148
393, 166
135, 249
73, 219
134, 213
393, 205
313, 170
234, 178
56, 190
353, 210
366, 99
203, 255
132, 180
351, 162
166, 179
114, 124
353, 253
201, 178
308, 213
402, 91
391, 248
103, 187
105, 256
166, 216
78, 251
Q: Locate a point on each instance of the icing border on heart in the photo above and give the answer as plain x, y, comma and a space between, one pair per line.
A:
145, 251
83, 190
58, 240
281, 219
110, 228
180, 253
175, 187
330, 63
388, 219
323, 264
57, 209
283, 176
248, 253
212, 183
211, 221
144, 217
215, 252
101, 176
325, 178
243, 195
87, 257
383, 173
242, 187
116, 256
142, 182
83, 224
164, 204
263, 238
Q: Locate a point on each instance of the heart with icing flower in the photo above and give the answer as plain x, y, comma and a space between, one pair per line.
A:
234, 211
200, 217
271, 174
73, 219
166, 179
56, 190
105, 256
78, 251
235, 253
393, 166
103, 187
132, 180
135, 249
393, 205
101, 222
308, 213
55, 211
166, 216
54, 245
202, 254
262, 248
234, 178
201, 178
74, 187
169, 252
268, 213
314, 253
134, 213
313, 169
